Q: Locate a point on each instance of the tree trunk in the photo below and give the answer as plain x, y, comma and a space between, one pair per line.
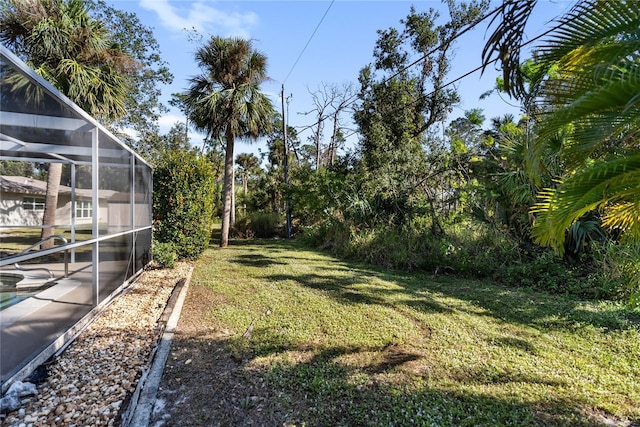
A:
245, 188
318, 146
50, 205
232, 220
333, 146
228, 189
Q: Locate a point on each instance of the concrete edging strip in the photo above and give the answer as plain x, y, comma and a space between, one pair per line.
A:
140, 413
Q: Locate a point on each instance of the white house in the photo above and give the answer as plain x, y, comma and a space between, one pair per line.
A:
22, 203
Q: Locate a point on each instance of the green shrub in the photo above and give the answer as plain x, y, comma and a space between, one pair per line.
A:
478, 250
258, 224
164, 254
331, 235
619, 264
183, 201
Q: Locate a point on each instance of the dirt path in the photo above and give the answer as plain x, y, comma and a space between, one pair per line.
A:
203, 384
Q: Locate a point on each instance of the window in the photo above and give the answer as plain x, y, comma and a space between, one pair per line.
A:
33, 203
83, 209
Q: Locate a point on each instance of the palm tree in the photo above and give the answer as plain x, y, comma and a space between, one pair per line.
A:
248, 164
594, 93
226, 101
63, 44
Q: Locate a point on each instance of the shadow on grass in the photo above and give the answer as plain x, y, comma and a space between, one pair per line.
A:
269, 378
310, 386
256, 260
417, 290
340, 398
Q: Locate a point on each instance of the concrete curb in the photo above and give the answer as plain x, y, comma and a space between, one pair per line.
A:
141, 406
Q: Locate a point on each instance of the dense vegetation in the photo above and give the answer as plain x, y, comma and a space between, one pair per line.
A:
548, 199
183, 195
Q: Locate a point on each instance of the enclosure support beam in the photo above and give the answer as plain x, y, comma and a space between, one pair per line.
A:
132, 216
95, 226
73, 211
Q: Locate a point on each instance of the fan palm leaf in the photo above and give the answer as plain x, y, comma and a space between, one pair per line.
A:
596, 91
609, 186
72, 51
225, 100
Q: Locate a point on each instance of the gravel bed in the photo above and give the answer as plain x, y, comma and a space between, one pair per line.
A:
92, 381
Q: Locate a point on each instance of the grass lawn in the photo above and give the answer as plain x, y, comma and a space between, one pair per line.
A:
15, 240
310, 340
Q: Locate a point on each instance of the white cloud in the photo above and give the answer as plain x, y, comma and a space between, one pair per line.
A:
168, 120
202, 17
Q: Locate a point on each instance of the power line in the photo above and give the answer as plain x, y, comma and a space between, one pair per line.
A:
467, 74
484, 64
309, 41
403, 69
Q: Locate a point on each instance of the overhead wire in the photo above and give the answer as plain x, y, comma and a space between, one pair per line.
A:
308, 41
457, 79
484, 64
417, 61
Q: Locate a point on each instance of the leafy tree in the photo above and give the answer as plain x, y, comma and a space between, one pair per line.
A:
75, 53
401, 104
14, 168
272, 182
465, 133
142, 104
248, 167
155, 147
226, 101
247, 164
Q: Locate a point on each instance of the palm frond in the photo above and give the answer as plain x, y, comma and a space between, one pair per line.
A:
504, 43
590, 22
608, 186
596, 51
624, 216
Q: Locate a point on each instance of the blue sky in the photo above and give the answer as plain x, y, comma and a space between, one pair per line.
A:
340, 47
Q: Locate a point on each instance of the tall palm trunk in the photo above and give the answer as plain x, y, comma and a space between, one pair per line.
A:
228, 188
232, 219
50, 204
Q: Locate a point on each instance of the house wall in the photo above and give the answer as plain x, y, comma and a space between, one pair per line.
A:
119, 215
12, 214
103, 212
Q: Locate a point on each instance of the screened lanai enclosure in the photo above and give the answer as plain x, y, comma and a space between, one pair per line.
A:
97, 193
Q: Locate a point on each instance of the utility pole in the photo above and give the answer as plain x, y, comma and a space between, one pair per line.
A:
287, 208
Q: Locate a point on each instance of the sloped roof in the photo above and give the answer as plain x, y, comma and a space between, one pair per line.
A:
36, 187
